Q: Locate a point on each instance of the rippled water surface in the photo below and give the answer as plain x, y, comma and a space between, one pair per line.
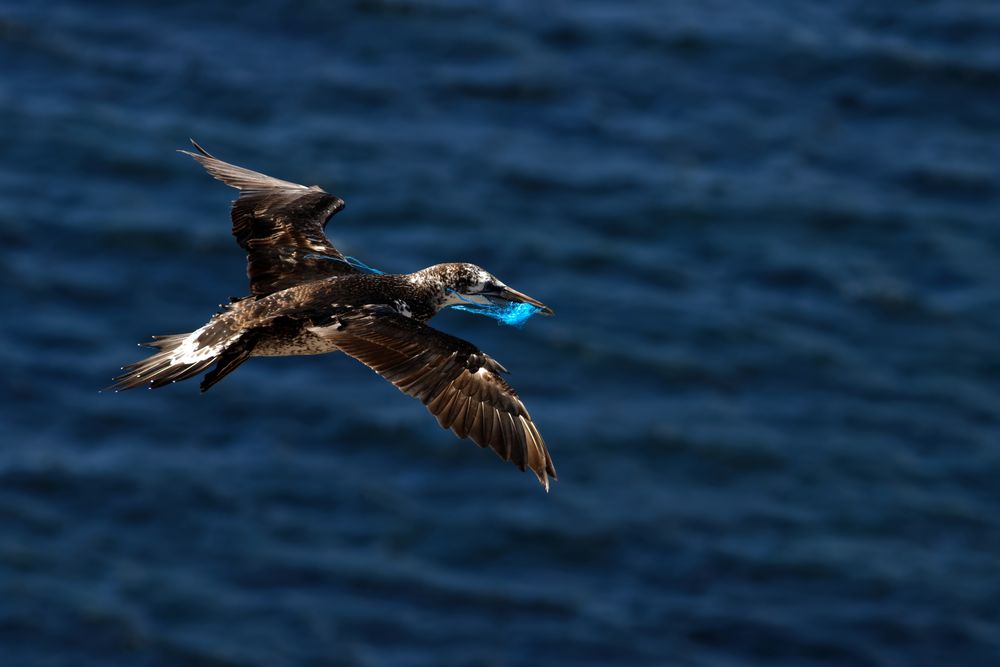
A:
771, 235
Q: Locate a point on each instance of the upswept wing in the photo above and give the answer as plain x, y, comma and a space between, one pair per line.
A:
460, 385
280, 226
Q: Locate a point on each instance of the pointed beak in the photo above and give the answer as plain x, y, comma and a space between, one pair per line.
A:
513, 295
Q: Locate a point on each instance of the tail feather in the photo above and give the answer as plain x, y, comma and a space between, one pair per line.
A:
179, 358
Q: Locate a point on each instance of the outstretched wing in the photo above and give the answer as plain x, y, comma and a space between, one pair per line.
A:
460, 385
280, 225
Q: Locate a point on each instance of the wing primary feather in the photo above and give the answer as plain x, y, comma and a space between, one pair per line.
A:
443, 408
198, 148
476, 428
493, 432
513, 438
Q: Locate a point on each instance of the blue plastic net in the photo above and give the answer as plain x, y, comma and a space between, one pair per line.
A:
347, 259
512, 314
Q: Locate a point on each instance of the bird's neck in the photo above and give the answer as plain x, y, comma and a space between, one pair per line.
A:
425, 294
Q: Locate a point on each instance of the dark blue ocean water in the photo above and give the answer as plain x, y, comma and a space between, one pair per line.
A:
771, 235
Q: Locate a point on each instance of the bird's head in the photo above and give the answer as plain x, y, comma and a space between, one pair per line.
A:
471, 288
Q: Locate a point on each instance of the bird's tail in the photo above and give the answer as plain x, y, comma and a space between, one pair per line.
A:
179, 358
182, 356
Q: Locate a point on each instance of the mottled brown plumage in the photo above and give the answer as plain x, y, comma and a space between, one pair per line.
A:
306, 298
280, 226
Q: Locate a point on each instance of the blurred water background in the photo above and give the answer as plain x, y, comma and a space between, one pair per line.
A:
772, 388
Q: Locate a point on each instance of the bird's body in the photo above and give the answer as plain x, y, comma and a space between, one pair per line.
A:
307, 298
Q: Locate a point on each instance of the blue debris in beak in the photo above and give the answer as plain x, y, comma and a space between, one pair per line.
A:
509, 313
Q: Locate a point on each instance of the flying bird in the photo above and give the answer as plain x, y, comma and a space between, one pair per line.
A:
306, 297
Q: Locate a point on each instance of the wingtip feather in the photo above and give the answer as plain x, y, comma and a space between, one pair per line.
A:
198, 148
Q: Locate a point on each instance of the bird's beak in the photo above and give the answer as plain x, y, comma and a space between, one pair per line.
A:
513, 295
